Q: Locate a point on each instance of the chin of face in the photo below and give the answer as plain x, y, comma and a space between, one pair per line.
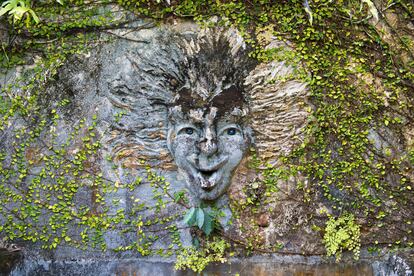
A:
214, 193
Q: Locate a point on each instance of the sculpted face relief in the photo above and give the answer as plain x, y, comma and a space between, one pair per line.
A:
207, 145
209, 92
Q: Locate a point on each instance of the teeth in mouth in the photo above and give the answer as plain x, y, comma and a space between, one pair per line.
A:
207, 179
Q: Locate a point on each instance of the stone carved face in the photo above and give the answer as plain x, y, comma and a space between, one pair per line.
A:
207, 144
149, 83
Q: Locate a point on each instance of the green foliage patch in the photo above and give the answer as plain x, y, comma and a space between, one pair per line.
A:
197, 259
201, 218
342, 233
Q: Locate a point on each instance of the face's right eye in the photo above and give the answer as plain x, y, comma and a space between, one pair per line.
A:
232, 131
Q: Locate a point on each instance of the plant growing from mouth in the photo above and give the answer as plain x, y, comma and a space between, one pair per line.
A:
201, 218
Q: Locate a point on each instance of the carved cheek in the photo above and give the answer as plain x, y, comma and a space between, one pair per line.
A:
233, 142
234, 148
184, 145
235, 157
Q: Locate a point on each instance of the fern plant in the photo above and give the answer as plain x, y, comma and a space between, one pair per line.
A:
342, 234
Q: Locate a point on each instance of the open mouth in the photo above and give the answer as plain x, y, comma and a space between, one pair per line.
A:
207, 174
208, 179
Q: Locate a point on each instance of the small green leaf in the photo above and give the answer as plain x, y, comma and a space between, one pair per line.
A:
5, 9
19, 12
200, 218
208, 224
35, 18
189, 218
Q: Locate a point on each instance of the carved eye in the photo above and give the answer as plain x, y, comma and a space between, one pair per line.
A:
187, 131
231, 131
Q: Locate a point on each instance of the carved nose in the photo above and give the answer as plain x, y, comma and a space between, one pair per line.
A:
208, 144
208, 147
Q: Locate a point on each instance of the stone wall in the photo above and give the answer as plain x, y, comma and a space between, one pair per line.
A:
122, 91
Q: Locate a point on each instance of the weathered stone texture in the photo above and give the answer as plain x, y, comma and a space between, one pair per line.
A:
131, 88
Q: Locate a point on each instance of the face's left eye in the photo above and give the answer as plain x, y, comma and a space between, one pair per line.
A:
231, 131
187, 131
